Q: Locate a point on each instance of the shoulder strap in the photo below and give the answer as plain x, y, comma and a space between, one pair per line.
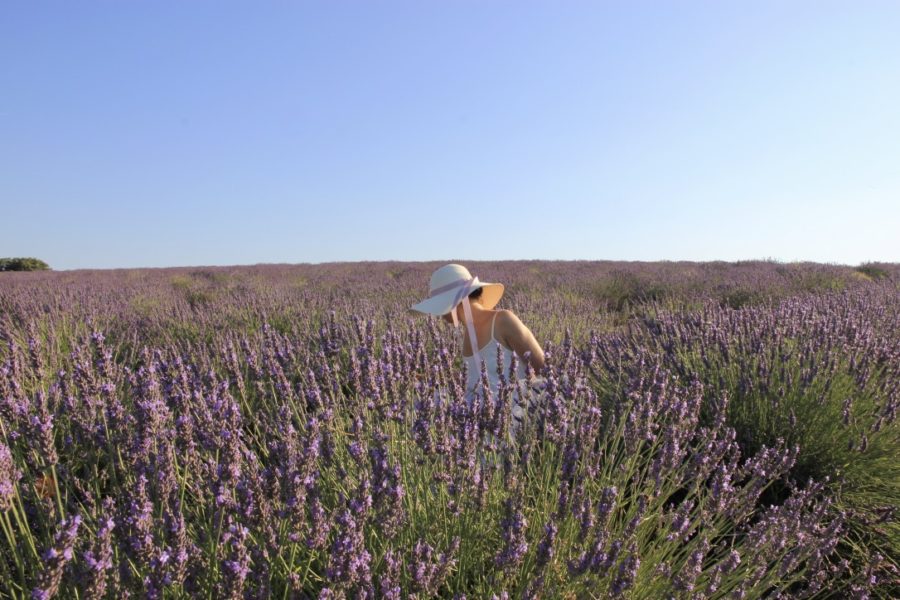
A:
492, 325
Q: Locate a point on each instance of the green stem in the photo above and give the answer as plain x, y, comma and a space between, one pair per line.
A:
59, 504
7, 529
287, 585
23, 526
213, 551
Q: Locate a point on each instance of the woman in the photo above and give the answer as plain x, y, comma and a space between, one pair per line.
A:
457, 297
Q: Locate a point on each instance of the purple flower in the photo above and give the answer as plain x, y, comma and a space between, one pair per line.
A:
319, 525
545, 548
56, 557
388, 491
236, 566
627, 574
99, 558
681, 521
350, 562
41, 430
429, 569
390, 579
9, 476
515, 546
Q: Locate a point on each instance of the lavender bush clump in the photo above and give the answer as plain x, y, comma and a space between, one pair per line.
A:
701, 430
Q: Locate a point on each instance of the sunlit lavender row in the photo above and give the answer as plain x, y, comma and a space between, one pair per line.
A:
700, 430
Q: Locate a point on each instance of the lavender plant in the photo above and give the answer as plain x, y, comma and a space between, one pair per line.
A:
819, 371
258, 432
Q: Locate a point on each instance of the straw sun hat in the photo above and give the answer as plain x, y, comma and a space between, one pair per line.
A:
452, 283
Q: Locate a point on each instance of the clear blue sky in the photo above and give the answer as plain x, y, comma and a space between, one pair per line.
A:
213, 133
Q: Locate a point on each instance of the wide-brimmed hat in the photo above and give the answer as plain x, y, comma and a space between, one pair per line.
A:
450, 284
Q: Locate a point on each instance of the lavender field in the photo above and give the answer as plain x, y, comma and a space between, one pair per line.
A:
700, 430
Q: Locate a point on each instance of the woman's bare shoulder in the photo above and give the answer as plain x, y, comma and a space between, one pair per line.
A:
504, 314
507, 323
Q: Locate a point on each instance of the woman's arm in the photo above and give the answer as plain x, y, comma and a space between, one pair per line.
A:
515, 335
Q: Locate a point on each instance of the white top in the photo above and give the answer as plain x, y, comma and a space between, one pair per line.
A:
489, 355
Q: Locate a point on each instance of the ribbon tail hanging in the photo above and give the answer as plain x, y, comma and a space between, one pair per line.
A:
473, 341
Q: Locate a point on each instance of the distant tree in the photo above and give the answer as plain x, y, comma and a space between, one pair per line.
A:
23, 264
873, 270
